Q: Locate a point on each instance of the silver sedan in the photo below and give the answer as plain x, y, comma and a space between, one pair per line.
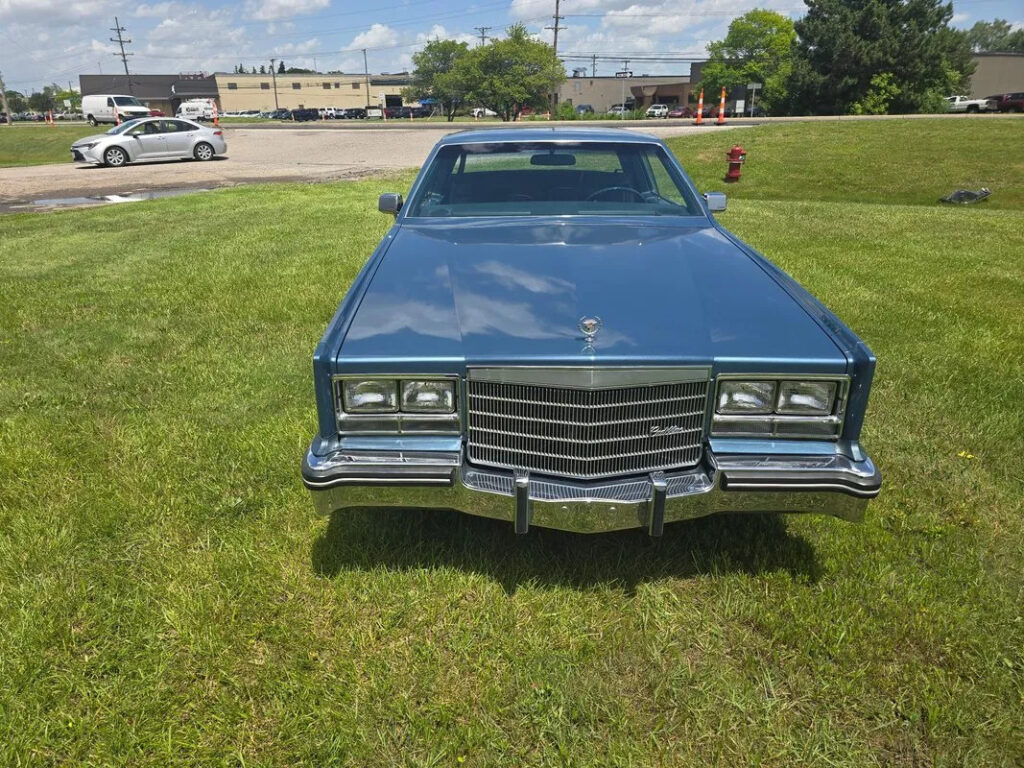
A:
150, 138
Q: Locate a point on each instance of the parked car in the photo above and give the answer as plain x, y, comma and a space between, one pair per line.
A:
657, 110
966, 104
680, 112
353, 113
584, 109
280, 114
1009, 102
484, 112
619, 110
305, 115
414, 112
150, 138
109, 108
599, 352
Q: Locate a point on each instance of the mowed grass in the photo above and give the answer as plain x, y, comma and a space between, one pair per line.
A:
912, 161
37, 144
167, 595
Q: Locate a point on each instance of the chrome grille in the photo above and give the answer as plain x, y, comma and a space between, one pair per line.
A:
585, 433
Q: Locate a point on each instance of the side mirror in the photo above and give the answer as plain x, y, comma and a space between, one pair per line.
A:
715, 201
390, 202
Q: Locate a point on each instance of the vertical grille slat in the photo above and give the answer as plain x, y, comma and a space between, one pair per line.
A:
585, 433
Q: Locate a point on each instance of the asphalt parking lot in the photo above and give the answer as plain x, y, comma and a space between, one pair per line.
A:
255, 154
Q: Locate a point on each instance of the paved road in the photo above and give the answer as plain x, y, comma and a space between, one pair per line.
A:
254, 155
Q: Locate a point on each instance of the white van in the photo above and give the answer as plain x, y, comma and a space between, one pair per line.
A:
196, 109
101, 108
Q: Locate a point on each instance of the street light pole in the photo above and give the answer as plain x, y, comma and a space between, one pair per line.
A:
273, 76
366, 74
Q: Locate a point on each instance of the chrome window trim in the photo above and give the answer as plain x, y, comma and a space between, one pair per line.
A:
397, 422
589, 377
836, 416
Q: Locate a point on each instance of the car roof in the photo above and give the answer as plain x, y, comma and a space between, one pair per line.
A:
519, 135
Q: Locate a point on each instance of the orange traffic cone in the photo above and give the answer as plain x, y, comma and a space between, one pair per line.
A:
700, 108
216, 117
721, 108
50, 118
117, 115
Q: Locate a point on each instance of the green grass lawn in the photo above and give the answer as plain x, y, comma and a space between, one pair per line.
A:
898, 161
167, 595
36, 144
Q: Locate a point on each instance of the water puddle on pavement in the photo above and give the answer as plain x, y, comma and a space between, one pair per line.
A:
134, 197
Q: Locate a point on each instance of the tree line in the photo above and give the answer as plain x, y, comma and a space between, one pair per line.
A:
841, 57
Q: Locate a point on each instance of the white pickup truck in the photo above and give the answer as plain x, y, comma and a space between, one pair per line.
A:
964, 104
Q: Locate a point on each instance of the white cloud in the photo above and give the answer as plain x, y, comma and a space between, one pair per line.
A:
375, 37
960, 18
271, 10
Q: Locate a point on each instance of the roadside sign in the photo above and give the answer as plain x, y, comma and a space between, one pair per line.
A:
753, 86
741, 105
67, 102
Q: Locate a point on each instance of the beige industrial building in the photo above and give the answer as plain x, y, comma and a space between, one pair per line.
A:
602, 92
239, 93
996, 73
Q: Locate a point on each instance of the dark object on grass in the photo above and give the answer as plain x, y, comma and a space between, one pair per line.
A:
965, 196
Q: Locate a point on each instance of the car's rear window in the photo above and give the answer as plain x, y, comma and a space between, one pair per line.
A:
553, 178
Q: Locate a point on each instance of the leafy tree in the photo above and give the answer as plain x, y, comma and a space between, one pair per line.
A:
263, 69
16, 101
436, 75
995, 35
280, 68
758, 48
844, 44
42, 101
297, 71
876, 101
511, 73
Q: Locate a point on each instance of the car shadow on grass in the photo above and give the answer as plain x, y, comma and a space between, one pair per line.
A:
368, 539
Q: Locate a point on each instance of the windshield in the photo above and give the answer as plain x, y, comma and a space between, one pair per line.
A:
122, 127
553, 178
128, 101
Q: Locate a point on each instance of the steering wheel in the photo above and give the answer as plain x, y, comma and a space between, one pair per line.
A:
595, 195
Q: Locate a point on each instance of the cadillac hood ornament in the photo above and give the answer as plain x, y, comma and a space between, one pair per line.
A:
589, 327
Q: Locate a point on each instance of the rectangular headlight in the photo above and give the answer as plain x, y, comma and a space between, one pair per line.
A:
370, 396
746, 397
806, 397
428, 396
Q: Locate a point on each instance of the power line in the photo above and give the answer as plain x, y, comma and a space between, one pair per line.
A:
124, 56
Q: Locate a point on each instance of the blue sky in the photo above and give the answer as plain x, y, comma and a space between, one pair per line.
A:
44, 41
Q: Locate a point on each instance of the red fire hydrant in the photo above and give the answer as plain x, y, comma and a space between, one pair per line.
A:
736, 157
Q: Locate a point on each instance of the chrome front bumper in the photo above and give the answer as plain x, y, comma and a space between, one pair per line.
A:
833, 485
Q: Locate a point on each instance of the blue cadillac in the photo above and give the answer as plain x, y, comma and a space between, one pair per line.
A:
557, 332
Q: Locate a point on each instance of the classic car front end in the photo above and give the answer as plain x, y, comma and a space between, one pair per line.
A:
556, 332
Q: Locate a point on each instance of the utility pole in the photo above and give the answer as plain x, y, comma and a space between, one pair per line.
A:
366, 74
484, 37
556, 27
273, 76
3, 100
124, 56
593, 65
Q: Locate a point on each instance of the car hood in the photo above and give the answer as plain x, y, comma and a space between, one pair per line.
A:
92, 139
503, 293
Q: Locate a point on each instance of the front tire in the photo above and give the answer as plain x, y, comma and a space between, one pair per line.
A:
203, 151
115, 157
92, 121
972, 109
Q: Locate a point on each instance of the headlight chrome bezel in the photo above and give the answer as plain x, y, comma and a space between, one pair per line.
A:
397, 421
782, 421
